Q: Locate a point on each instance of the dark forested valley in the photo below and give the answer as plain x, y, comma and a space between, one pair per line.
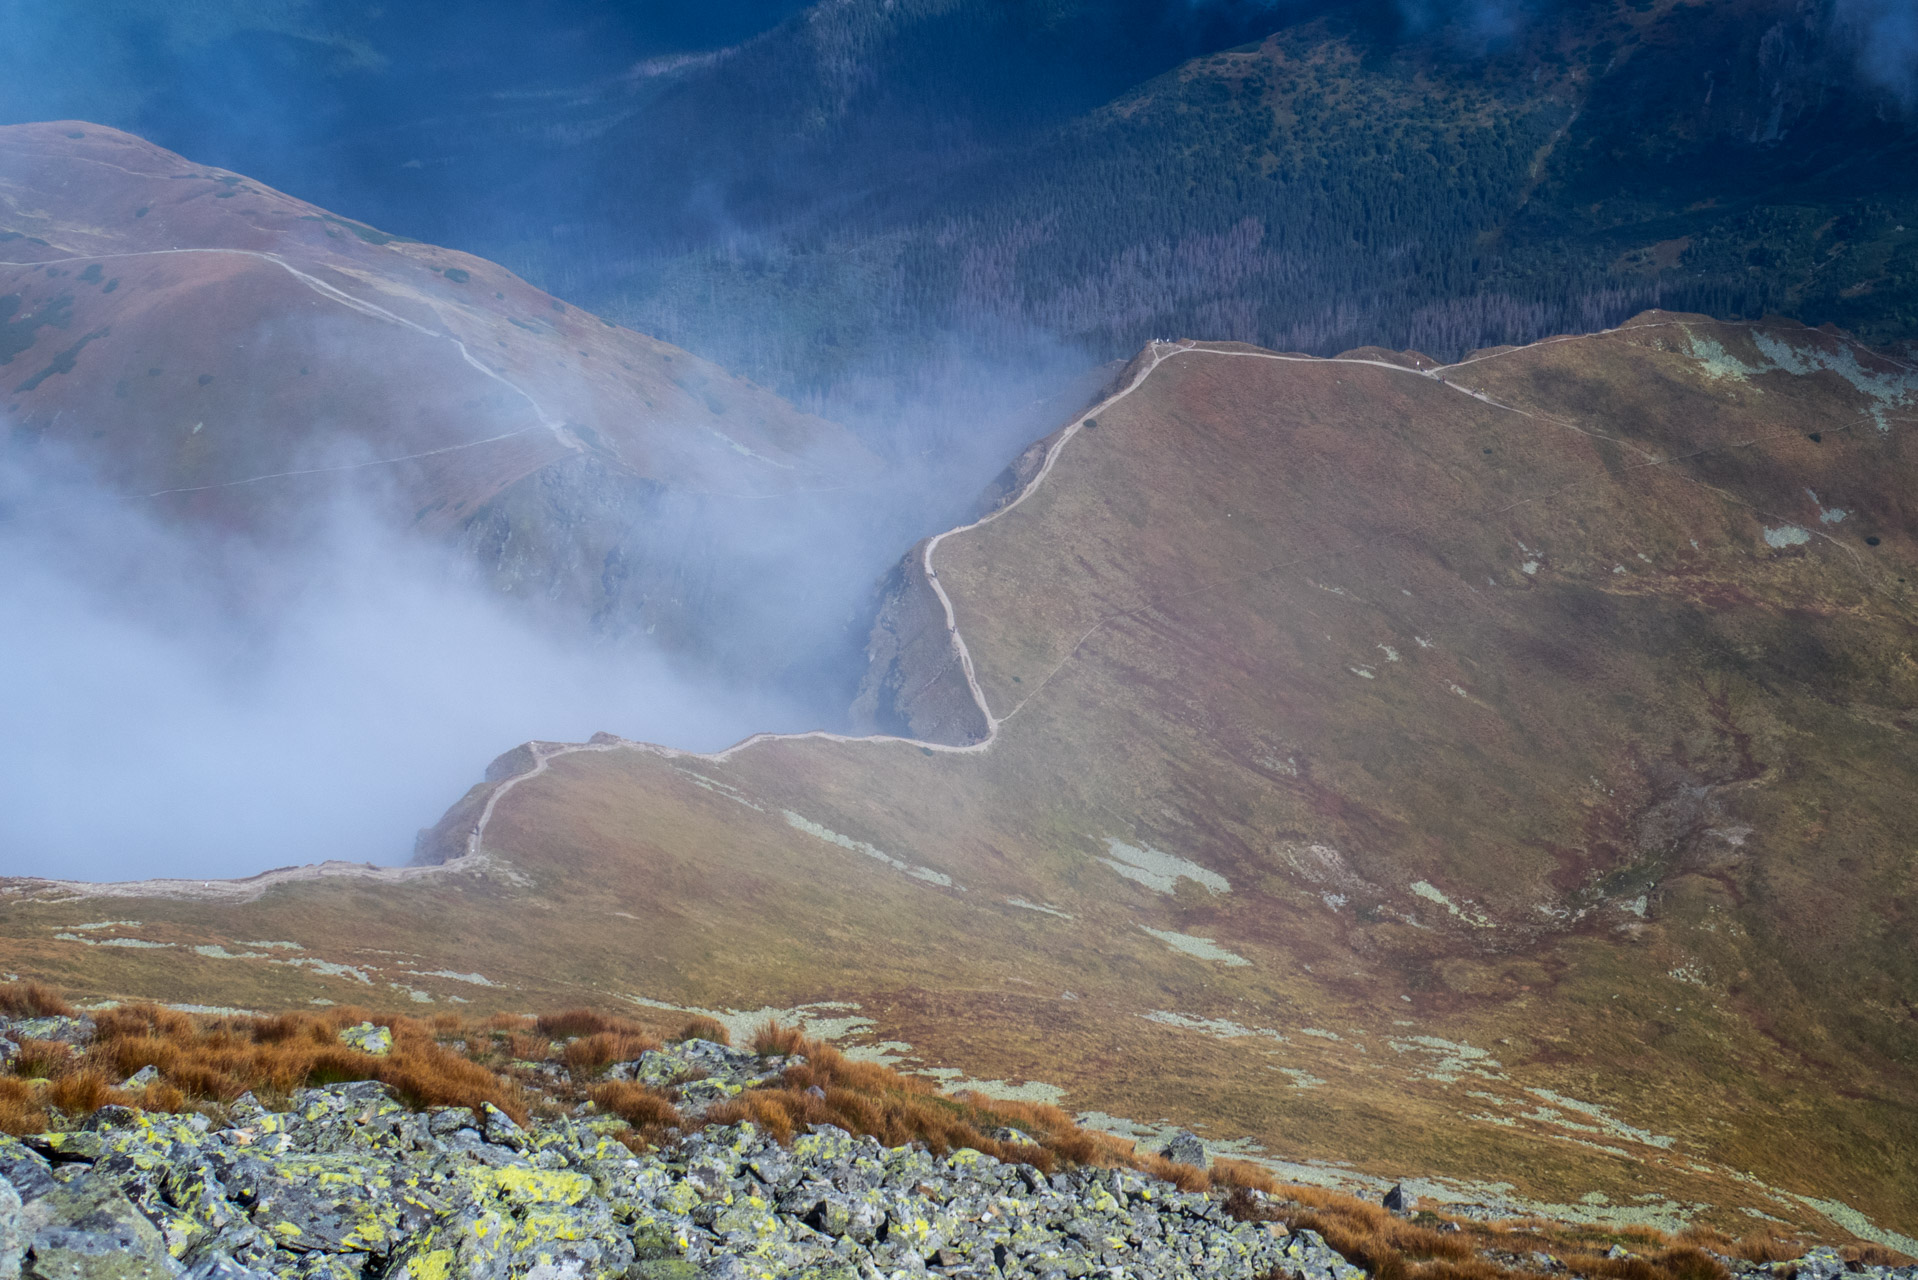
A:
865, 198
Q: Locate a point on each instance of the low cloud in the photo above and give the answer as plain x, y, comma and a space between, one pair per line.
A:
188, 707
1886, 35
1472, 24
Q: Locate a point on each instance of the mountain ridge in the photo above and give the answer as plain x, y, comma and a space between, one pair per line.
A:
1333, 899
325, 358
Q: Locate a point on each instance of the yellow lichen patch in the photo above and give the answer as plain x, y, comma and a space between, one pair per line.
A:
532, 1186
435, 1264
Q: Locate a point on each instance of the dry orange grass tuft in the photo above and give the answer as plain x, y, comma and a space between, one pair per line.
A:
572, 1023
1395, 1248
704, 1028
869, 1098
21, 1108
40, 1059
636, 1104
213, 1061
1768, 1245
589, 1057
1875, 1255
773, 1040
501, 1023
527, 1047
81, 1093
32, 1000
655, 1121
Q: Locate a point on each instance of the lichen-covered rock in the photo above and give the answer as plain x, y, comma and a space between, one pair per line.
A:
89, 1230
13, 1240
702, 1072
221, 1266
1822, 1263
347, 1184
1308, 1257
74, 1031
1184, 1147
368, 1038
24, 1169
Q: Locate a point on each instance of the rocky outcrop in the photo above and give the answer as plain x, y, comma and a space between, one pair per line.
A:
915, 685
350, 1184
700, 1073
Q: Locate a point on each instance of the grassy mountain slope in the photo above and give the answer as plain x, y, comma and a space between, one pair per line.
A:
1497, 775
241, 359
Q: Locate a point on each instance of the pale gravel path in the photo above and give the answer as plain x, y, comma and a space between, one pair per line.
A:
337, 295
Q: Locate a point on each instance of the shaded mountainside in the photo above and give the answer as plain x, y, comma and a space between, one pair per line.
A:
846, 199
1335, 181
241, 359
1499, 774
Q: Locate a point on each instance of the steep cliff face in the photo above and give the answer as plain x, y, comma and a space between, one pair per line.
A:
234, 358
915, 682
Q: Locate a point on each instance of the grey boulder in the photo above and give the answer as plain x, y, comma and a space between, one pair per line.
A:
88, 1230
1184, 1147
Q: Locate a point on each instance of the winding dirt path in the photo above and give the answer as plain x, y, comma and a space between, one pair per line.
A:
1158, 353
335, 294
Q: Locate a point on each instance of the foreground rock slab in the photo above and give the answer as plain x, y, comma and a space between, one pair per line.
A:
350, 1184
